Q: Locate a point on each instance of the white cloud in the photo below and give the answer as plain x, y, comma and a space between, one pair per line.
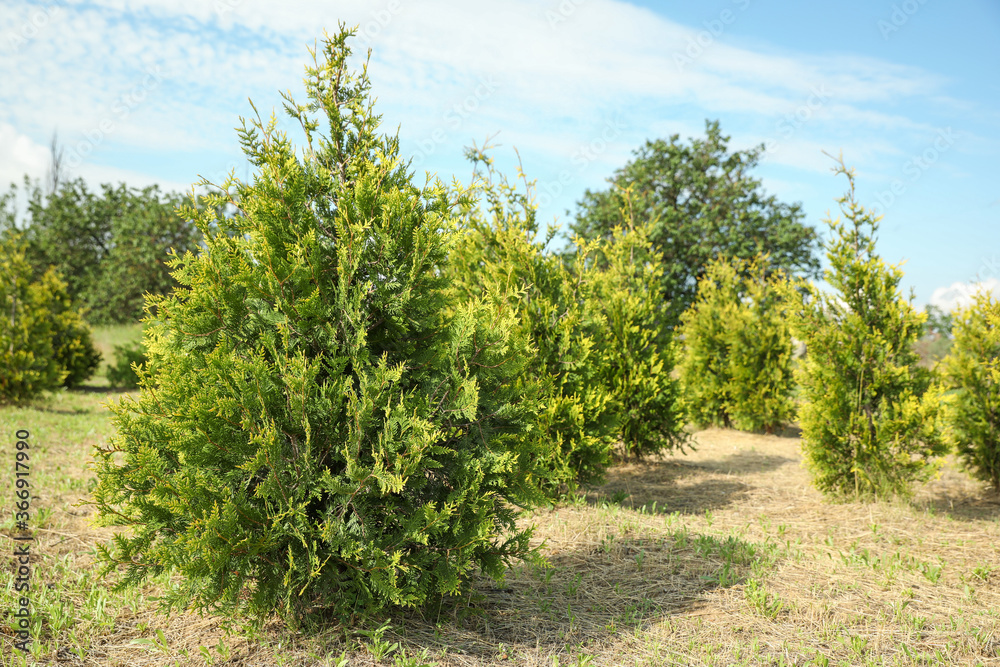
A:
557, 82
604, 52
19, 155
960, 295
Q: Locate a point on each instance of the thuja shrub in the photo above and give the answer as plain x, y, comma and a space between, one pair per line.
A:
44, 342
500, 247
971, 374
736, 368
760, 358
869, 415
637, 352
602, 358
124, 373
321, 431
704, 331
28, 363
72, 342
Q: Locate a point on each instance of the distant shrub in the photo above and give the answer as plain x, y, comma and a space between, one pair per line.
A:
71, 336
498, 247
122, 373
972, 372
602, 360
110, 246
44, 342
736, 368
637, 351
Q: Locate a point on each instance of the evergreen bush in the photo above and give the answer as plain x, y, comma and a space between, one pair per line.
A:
869, 415
602, 356
638, 354
499, 248
736, 368
971, 371
128, 358
321, 428
71, 335
44, 342
28, 363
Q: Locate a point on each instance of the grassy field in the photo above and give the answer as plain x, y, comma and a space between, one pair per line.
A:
105, 339
723, 556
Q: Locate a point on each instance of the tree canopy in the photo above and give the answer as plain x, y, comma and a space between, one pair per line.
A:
110, 247
702, 203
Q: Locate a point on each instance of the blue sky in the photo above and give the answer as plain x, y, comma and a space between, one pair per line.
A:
149, 92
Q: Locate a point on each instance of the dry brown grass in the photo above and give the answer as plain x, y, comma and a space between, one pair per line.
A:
722, 556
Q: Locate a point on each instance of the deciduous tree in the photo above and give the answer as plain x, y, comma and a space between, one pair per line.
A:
701, 202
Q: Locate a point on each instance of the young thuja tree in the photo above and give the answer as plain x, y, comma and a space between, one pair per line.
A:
869, 413
499, 249
28, 363
603, 358
704, 330
123, 371
72, 343
760, 351
320, 426
637, 351
736, 369
44, 342
972, 372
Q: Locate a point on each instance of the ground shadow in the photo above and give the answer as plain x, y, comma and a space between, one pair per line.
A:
57, 411
587, 596
674, 486
747, 463
985, 507
789, 431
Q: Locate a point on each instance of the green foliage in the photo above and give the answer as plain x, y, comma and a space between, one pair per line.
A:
869, 417
936, 340
111, 247
637, 353
499, 248
938, 322
71, 336
321, 428
27, 359
736, 367
128, 358
44, 342
602, 361
8, 213
701, 202
972, 370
